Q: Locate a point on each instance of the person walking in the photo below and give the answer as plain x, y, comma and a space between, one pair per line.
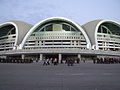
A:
94, 60
48, 61
70, 62
45, 62
55, 61
84, 60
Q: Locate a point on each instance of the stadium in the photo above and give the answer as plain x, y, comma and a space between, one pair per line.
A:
61, 38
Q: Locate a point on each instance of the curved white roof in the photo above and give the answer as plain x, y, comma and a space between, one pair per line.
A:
21, 29
51, 19
91, 29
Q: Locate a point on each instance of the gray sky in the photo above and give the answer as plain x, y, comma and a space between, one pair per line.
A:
80, 11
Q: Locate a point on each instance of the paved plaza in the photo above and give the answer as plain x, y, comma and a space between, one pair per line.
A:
83, 76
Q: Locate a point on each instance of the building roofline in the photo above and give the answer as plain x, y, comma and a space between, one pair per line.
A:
55, 18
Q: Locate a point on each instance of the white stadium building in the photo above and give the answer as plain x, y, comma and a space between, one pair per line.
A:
59, 37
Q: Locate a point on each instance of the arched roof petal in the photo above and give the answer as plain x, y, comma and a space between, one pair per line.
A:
21, 29
91, 29
52, 19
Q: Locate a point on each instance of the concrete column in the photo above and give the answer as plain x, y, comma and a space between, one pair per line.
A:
23, 56
41, 57
79, 56
60, 58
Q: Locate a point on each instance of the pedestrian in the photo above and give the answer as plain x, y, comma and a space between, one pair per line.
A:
55, 61
78, 60
44, 62
51, 60
84, 60
94, 60
48, 61
70, 62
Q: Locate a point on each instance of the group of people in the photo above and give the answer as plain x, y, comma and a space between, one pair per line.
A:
15, 60
55, 61
106, 61
50, 61
68, 61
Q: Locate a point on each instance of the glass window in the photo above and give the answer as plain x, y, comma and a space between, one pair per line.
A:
13, 31
66, 27
72, 29
33, 35
42, 29
57, 27
49, 28
104, 30
99, 30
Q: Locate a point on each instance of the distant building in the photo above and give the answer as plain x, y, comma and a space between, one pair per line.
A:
59, 37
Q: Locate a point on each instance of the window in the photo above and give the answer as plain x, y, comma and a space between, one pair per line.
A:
42, 29
49, 28
99, 30
72, 29
104, 30
66, 27
13, 31
33, 35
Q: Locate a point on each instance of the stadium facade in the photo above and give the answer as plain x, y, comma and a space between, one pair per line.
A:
59, 37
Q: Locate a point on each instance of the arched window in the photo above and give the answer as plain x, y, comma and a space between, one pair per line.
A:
49, 28
66, 27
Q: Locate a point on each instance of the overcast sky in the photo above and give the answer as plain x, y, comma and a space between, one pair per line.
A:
80, 11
